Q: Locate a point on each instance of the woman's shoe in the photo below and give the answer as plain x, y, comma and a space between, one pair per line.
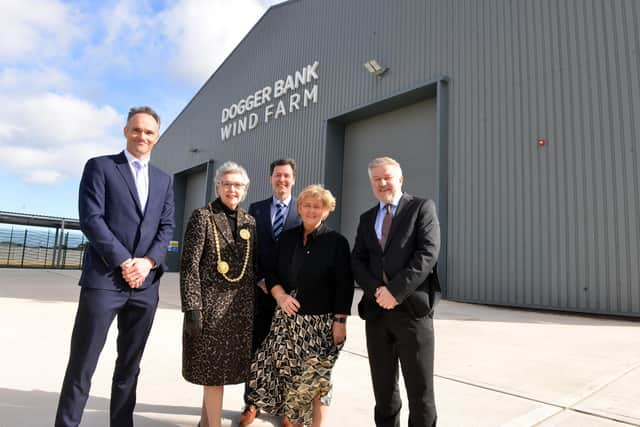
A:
286, 422
248, 416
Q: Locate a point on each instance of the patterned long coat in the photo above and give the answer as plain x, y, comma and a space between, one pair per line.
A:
222, 353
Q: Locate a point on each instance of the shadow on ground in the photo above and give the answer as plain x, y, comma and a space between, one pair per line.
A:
36, 408
55, 286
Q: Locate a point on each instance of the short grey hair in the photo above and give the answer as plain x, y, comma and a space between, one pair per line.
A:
381, 161
232, 167
144, 109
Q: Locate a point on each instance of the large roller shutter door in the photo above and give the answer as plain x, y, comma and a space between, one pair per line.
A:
408, 135
195, 196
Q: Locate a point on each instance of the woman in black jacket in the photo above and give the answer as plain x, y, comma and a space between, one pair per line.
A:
313, 286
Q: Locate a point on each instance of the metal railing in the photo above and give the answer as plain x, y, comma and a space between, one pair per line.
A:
40, 247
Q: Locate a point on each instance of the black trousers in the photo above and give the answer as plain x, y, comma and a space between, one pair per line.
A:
265, 306
97, 308
395, 338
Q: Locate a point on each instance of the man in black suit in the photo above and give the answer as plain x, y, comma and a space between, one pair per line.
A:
394, 258
126, 211
273, 215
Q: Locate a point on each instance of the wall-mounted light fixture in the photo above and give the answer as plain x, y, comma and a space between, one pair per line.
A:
194, 150
375, 68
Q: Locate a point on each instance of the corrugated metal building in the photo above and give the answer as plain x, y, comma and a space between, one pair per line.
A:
470, 89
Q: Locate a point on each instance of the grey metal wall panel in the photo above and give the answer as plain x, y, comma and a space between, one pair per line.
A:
410, 133
194, 194
555, 226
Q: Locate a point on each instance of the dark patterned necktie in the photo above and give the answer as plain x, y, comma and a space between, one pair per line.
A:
278, 220
386, 226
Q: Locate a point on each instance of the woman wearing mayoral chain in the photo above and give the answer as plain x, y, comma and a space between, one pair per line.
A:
217, 277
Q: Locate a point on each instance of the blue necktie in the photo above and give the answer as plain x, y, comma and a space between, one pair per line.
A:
278, 220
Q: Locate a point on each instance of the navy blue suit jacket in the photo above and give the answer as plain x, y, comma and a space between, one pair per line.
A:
261, 211
112, 220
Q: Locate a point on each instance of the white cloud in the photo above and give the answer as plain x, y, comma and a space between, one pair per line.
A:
189, 39
46, 134
46, 138
43, 177
65, 119
204, 32
57, 64
125, 33
33, 80
36, 29
126, 18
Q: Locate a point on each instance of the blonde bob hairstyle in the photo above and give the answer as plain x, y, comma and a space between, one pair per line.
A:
317, 191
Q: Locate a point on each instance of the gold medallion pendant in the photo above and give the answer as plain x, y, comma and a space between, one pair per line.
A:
223, 267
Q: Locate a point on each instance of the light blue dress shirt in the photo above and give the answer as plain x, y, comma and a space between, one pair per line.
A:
382, 212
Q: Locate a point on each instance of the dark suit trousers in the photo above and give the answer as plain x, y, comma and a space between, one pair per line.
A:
395, 337
97, 308
265, 306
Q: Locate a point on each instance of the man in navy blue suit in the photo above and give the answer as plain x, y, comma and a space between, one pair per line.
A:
126, 211
273, 215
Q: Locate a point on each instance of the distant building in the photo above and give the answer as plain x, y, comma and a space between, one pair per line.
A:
518, 117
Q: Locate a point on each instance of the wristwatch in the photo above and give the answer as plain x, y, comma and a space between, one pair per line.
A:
340, 319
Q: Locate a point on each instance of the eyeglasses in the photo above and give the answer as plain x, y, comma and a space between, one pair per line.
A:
233, 185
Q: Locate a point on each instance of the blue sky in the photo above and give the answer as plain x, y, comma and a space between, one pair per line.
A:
70, 71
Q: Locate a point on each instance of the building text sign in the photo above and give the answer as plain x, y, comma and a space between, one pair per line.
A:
285, 96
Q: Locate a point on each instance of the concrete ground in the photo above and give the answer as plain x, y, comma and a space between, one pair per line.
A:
494, 366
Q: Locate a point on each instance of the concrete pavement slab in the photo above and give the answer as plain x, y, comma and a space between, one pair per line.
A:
460, 404
549, 357
569, 418
494, 366
619, 400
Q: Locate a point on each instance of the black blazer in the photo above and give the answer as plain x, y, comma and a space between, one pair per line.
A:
408, 259
321, 273
261, 211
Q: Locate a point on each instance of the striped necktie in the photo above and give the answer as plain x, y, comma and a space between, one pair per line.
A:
278, 220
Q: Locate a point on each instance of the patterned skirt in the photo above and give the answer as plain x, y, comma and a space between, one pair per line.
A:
293, 366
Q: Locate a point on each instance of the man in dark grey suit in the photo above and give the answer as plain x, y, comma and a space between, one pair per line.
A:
273, 216
394, 259
126, 212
